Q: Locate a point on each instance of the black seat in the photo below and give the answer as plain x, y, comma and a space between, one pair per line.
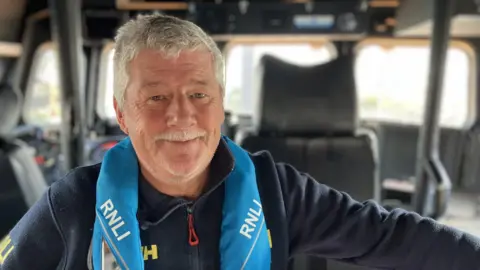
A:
22, 182
342, 155
307, 117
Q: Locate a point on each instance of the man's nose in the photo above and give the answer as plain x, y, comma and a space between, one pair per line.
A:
181, 113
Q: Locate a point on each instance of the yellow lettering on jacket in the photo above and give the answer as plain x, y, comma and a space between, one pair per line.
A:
150, 252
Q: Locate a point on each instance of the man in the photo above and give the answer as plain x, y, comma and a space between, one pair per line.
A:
178, 195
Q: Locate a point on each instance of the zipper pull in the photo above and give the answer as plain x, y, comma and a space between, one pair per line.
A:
192, 235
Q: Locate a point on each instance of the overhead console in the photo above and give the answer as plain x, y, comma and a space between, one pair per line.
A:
243, 17
223, 19
415, 18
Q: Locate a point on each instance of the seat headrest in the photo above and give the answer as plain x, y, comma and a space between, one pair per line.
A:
306, 100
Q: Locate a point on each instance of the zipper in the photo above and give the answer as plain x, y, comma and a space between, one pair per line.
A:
192, 235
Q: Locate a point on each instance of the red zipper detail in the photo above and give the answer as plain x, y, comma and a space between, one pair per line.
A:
192, 235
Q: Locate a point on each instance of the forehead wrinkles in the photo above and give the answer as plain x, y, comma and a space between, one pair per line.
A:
154, 59
173, 70
182, 74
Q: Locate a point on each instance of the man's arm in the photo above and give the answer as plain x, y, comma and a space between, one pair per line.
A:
35, 242
330, 224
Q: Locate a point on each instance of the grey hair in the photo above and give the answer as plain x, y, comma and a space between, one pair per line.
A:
169, 35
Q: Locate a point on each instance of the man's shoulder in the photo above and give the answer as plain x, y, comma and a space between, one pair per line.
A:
79, 179
76, 188
264, 162
274, 174
280, 176
57, 225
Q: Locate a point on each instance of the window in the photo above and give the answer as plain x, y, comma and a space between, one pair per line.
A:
42, 100
105, 92
242, 59
392, 83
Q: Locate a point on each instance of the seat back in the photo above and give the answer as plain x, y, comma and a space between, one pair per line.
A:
21, 181
342, 155
307, 117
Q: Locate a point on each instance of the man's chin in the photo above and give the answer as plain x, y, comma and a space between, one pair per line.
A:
185, 170
181, 147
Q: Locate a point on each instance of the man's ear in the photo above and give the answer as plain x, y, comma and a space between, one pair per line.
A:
120, 116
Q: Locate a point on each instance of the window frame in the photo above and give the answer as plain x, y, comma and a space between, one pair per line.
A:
457, 44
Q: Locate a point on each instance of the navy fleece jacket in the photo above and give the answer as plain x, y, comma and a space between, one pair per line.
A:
304, 217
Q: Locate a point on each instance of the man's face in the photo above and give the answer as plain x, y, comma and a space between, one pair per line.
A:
173, 111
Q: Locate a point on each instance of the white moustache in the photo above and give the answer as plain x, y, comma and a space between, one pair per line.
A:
180, 136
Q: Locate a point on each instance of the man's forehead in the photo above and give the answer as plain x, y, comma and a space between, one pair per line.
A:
186, 57
162, 82
149, 63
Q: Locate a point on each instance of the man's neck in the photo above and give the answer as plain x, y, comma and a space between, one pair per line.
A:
186, 188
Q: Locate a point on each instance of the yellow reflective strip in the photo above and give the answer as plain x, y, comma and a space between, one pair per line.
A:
269, 238
6, 247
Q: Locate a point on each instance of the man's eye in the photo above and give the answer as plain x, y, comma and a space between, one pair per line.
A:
198, 95
157, 98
